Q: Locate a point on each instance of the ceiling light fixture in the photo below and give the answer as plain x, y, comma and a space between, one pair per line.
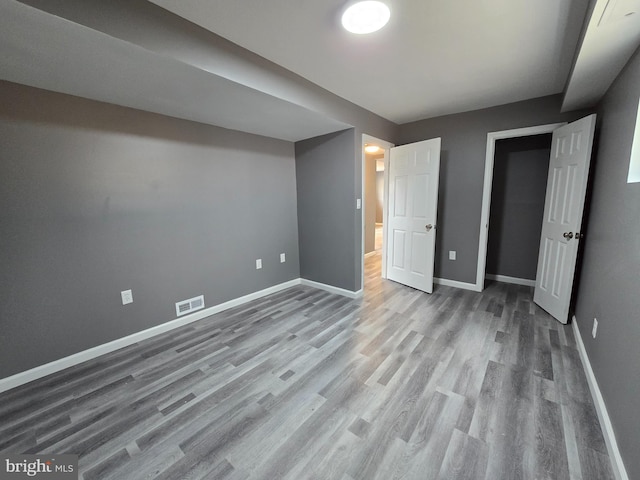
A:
365, 17
371, 148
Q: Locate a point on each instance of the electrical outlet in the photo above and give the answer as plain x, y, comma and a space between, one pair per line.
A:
258, 264
127, 297
594, 330
358, 204
283, 258
452, 254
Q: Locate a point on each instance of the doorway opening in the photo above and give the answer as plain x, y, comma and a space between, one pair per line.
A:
374, 192
518, 192
374, 201
505, 250
411, 176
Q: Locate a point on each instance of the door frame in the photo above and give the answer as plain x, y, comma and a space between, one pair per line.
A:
489, 163
387, 147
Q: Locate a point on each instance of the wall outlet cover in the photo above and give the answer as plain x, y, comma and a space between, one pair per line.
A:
594, 330
283, 258
127, 297
258, 264
452, 254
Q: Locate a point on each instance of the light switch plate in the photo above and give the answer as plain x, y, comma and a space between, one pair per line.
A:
283, 258
358, 204
258, 264
594, 330
452, 254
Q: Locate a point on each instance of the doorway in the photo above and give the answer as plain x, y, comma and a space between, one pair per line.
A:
565, 196
492, 138
411, 176
521, 167
374, 202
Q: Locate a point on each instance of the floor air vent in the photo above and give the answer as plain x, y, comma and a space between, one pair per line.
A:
191, 305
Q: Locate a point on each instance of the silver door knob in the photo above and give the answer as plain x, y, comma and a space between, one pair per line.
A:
428, 227
568, 235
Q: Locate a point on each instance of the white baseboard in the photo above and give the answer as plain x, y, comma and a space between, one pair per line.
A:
617, 464
66, 362
370, 254
456, 284
506, 279
331, 288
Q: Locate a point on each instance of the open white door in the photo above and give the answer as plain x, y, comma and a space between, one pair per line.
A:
413, 201
564, 204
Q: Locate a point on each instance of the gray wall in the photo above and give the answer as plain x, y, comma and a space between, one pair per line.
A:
464, 142
97, 199
520, 173
327, 220
609, 283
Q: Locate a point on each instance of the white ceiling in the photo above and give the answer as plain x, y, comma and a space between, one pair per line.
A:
434, 57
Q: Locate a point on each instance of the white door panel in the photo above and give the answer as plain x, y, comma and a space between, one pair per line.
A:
562, 221
399, 244
413, 198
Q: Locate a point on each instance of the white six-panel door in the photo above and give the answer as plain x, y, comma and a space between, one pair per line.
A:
562, 222
412, 210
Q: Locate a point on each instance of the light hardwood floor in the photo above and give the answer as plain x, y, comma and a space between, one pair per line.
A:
304, 384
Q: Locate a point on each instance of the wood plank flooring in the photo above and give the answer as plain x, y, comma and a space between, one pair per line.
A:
304, 384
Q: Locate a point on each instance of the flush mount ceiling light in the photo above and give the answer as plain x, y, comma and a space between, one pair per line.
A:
365, 17
371, 148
